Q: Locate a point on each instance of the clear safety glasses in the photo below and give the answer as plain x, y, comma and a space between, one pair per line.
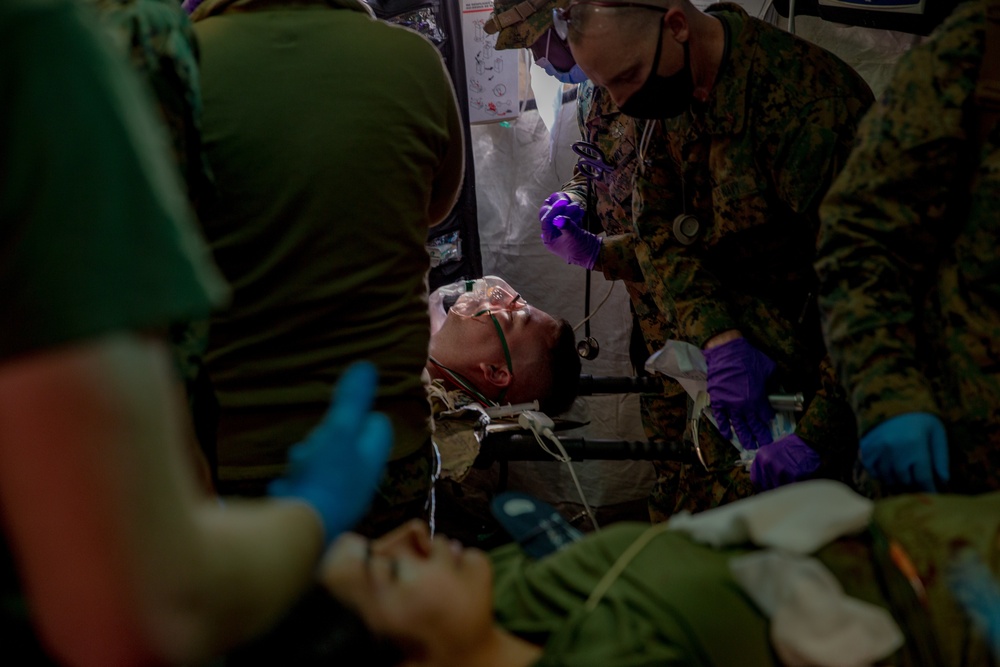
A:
491, 296
488, 295
561, 15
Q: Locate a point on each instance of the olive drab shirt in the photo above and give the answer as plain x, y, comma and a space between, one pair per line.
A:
752, 164
908, 261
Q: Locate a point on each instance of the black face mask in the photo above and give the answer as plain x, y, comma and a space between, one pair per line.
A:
662, 96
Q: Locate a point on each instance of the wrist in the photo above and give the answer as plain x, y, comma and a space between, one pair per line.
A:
722, 338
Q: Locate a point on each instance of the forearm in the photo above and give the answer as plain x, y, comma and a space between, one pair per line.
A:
617, 260
258, 557
576, 188
111, 536
875, 258
691, 296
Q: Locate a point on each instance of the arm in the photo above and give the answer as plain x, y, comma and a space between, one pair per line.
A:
883, 222
684, 289
110, 535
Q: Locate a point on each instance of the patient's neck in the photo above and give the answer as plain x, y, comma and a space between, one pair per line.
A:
499, 649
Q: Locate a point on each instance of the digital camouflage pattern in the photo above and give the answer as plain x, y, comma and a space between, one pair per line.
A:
752, 164
537, 18
680, 485
908, 263
157, 38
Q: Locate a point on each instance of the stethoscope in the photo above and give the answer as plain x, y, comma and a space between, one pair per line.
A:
686, 227
593, 164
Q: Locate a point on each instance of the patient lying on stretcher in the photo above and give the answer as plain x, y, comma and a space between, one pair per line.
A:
873, 576
490, 343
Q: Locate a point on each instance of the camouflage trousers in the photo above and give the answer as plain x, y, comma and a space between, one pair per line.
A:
403, 494
693, 483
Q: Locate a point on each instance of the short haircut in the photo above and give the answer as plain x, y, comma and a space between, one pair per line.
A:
628, 20
319, 631
565, 363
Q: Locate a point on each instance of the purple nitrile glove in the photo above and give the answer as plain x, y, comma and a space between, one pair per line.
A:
191, 5
560, 217
786, 460
737, 375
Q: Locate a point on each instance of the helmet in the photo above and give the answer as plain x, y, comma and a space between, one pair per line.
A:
520, 22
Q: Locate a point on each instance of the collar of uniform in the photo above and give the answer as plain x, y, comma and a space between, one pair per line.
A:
216, 7
727, 106
519, 12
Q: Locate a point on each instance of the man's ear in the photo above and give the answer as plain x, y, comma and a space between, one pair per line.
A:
496, 375
675, 22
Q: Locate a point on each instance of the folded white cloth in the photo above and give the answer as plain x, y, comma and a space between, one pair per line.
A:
812, 621
799, 518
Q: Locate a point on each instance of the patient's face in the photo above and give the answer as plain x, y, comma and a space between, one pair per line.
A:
411, 588
464, 343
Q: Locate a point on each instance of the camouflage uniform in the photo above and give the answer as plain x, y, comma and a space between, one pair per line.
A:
751, 164
520, 22
909, 275
679, 485
157, 38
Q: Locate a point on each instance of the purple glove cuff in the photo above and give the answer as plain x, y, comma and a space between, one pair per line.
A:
789, 459
562, 235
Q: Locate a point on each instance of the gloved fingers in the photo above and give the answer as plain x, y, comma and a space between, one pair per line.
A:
921, 475
939, 453
722, 421
743, 432
554, 197
545, 213
352, 399
760, 475
760, 427
349, 408
375, 444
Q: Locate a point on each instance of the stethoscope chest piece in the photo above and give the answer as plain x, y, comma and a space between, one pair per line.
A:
588, 348
686, 228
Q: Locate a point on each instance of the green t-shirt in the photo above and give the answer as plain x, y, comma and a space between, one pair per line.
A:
95, 235
674, 604
329, 134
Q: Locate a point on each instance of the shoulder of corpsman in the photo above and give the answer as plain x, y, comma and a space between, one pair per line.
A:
816, 74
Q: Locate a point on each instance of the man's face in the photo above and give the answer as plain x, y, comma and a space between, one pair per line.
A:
411, 588
469, 342
614, 56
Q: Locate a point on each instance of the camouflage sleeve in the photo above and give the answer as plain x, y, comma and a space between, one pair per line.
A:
811, 150
883, 220
686, 290
617, 259
827, 425
576, 188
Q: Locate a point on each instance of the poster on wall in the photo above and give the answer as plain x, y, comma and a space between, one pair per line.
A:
491, 75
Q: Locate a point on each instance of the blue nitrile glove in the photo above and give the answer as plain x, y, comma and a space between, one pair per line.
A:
737, 375
786, 460
561, 232
337, 468
976, 589
907, 451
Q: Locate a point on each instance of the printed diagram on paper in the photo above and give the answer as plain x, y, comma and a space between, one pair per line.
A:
491, 75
